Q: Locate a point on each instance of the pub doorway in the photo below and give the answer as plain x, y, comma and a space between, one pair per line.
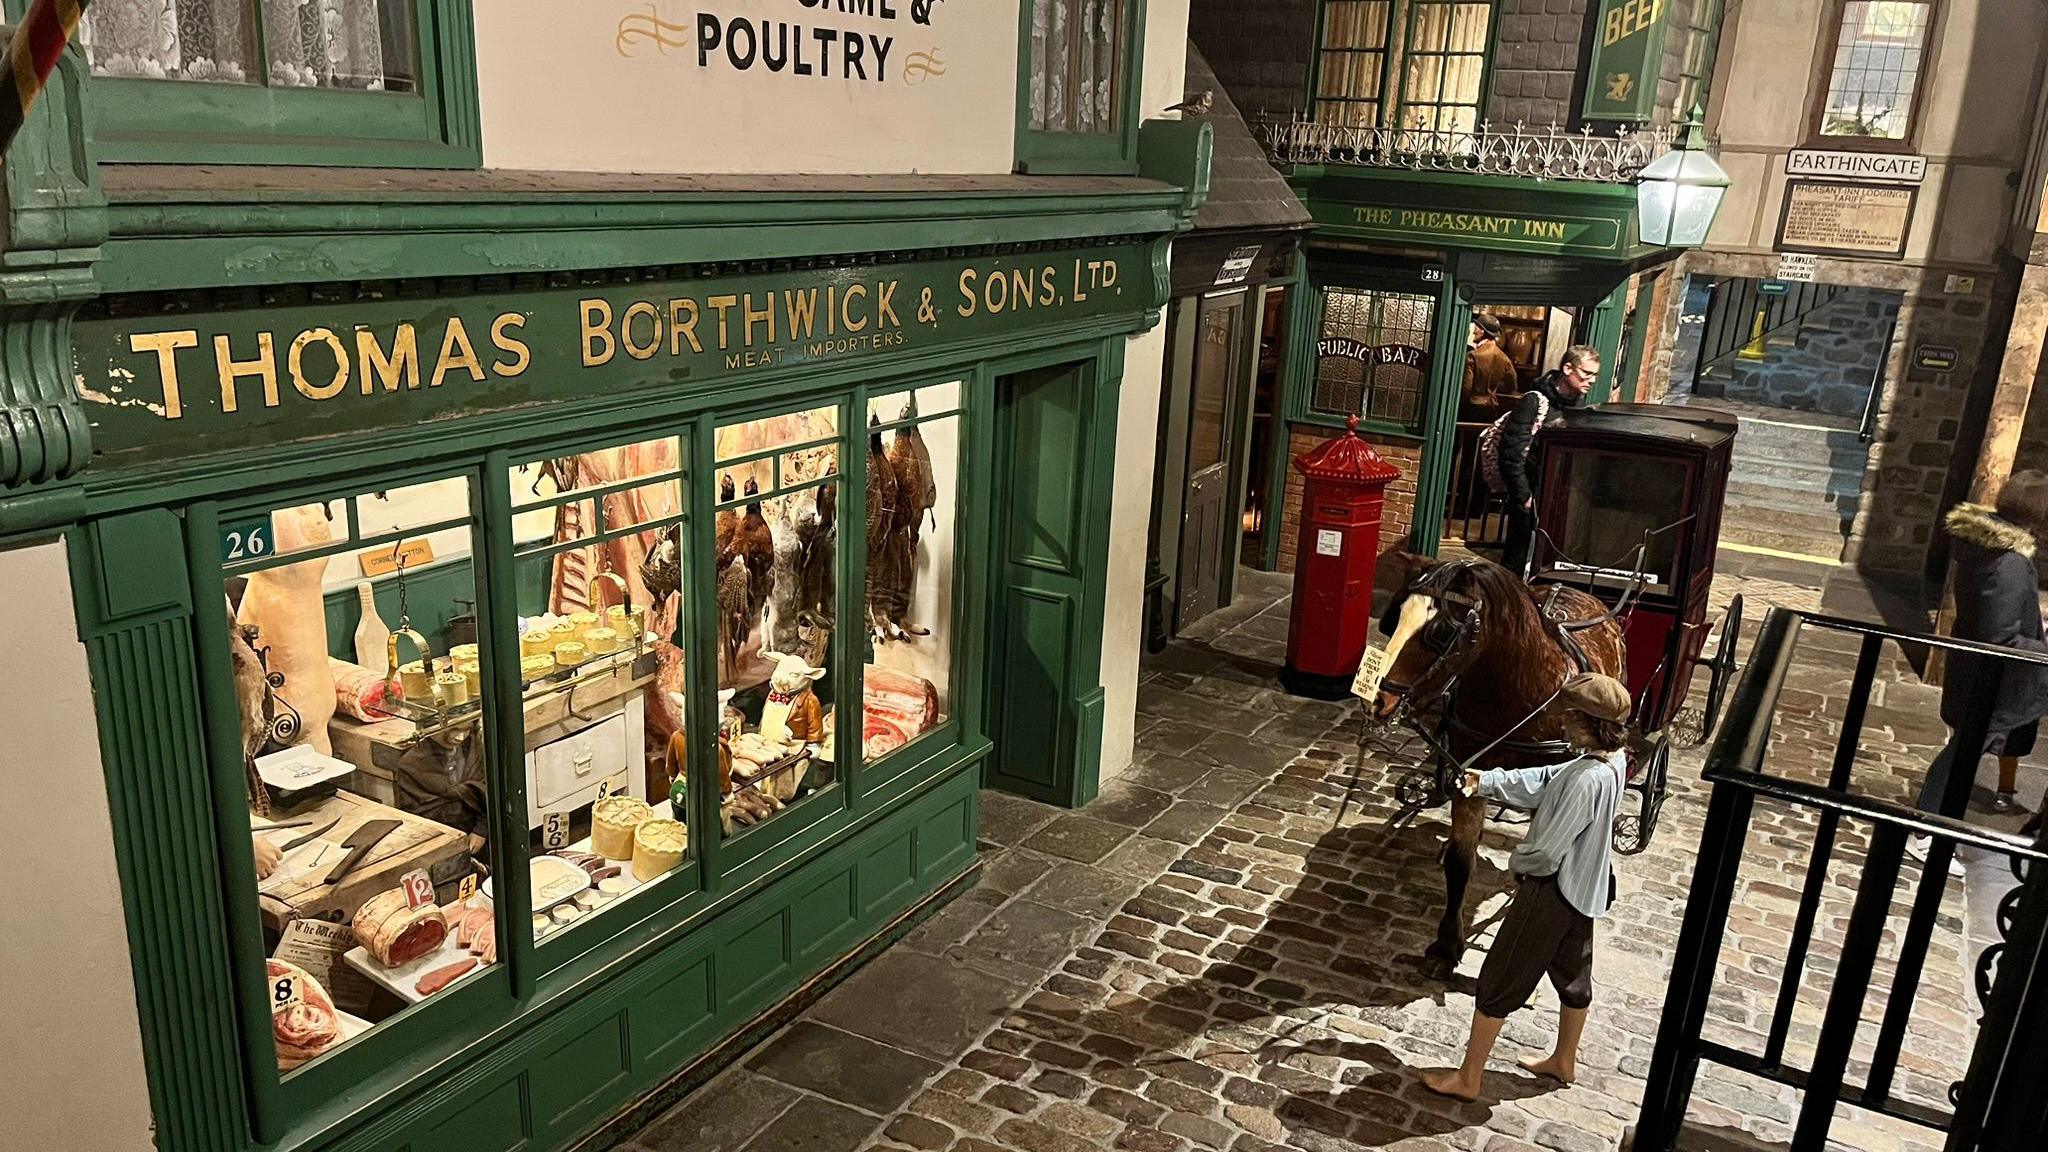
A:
1533, 338
1803, 366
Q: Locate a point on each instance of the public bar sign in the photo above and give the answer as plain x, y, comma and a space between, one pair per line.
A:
1628, 58
187, 383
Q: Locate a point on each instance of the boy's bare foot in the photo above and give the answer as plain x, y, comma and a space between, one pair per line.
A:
1562, 1071
1452, 1082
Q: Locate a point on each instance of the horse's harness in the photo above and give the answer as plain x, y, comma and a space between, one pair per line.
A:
1446, 638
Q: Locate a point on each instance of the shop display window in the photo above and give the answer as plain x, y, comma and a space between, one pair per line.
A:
774, 580
599, 537
912, 472
354, 654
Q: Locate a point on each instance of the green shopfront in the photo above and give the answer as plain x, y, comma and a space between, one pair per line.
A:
539, 639
1398, 263
684, 480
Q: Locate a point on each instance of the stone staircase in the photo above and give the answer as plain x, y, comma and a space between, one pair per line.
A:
1795, 481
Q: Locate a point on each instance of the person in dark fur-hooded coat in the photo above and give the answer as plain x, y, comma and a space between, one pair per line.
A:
1997, 602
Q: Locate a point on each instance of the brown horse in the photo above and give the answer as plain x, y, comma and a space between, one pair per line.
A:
1472, 650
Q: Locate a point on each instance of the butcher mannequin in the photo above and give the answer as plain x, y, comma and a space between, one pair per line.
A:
285, 606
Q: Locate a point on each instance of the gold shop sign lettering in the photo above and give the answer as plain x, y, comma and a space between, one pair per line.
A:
1846, 219
1548, 233
187, 383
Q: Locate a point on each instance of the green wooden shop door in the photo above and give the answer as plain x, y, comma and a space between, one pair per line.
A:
1044, 699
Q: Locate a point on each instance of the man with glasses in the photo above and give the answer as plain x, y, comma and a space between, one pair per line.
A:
1542, 404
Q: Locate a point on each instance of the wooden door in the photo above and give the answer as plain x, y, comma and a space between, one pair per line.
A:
1209, 527
1045, 698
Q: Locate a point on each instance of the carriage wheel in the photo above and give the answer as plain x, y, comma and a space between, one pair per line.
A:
1691, 727
1416, 788
1633, 830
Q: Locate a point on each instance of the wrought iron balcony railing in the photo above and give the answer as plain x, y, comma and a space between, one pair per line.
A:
1546, 153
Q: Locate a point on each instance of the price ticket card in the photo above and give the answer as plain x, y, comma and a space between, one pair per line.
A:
1373, 667
419, 888
554, 830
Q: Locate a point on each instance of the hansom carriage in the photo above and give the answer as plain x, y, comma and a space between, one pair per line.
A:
1629, 512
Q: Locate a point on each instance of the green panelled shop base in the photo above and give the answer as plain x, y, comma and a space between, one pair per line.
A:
565, 1073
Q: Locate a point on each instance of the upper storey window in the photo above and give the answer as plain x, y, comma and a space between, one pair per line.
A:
1873, 82
1417, 65
386, 83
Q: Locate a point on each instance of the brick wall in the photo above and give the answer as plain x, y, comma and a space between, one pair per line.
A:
1395, 520
1260, 51
1536, 62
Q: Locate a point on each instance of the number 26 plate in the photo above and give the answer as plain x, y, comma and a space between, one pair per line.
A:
1372, 668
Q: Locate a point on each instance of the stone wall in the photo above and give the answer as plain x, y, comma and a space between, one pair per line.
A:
1919, 416
1260, 51
1536, 62
1395, 520
1825, 363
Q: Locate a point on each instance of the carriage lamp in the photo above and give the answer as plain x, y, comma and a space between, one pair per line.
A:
1679, 192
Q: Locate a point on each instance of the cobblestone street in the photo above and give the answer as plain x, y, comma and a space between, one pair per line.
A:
1219, 953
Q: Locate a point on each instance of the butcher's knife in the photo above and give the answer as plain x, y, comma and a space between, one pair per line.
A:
315, 834
359, 843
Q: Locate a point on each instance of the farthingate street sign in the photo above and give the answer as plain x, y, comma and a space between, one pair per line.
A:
1896, 167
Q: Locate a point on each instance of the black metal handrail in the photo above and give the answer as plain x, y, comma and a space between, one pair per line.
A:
1998, 1102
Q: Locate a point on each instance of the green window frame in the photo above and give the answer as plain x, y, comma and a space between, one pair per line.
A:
498, 563
1696, 65
1414, 65
1349, 378
176, 121
1051, 137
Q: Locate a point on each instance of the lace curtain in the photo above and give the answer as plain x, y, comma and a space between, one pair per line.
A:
1075, 51
310, 43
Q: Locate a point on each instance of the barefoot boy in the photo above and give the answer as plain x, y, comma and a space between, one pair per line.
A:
1565, 880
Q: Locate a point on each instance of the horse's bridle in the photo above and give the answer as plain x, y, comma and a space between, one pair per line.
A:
1446, 636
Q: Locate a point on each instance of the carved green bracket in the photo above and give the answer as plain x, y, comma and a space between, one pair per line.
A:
54, 220
1176, 152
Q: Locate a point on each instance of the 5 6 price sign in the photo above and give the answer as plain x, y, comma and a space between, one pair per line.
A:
554, 830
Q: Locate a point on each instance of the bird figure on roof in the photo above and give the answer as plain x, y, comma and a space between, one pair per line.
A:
1198, 104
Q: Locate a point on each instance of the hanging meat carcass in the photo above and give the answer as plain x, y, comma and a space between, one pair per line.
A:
285, 606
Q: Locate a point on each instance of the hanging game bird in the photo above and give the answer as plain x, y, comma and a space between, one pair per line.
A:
884, 576
733, 622
916, 495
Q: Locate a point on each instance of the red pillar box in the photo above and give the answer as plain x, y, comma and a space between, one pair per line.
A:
1344, 489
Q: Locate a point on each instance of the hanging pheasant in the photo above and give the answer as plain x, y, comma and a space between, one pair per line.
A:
733, 622
884, 574
916, 495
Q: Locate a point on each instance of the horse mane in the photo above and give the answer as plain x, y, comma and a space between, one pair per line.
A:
1510, 606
